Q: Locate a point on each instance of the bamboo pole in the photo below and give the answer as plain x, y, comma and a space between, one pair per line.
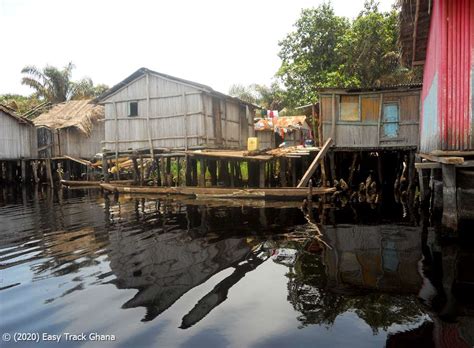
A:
312, 168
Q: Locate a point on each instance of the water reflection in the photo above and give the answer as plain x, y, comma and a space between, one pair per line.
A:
399, 279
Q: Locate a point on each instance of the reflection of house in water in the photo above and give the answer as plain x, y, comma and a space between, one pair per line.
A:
164, 263
382, 257
363, 270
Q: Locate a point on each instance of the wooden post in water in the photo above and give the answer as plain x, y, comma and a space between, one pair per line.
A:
294, 179
23, 170
49, 172
34, 166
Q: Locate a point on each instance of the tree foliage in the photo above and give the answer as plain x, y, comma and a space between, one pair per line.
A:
55, 85
326, 50
269, 97
19, 103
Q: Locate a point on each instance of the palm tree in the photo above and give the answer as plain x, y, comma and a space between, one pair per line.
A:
55, 85
50, 83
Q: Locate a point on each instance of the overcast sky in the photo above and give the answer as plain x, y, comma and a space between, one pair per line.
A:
217, 43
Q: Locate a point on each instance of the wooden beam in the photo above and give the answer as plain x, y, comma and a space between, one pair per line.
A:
445, 160
312, 168
428, 165
441, 153
415, 30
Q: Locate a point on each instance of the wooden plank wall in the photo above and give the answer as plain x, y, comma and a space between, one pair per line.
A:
177, 116
76, 144
17, 140
367, 132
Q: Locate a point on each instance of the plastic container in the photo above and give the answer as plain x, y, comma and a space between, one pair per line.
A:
252, 144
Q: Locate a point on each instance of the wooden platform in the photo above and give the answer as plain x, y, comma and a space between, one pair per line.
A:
282, 193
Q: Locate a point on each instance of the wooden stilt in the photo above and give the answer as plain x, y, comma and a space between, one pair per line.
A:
238, 173
158, 172
178, 169
136, 170
352, 169
188, 175
194, 172
450, 208
332, 165
34, 166
283, 162
202, 172
49, 172
213, 171
294, 179
261, 182
142, 170
23, 171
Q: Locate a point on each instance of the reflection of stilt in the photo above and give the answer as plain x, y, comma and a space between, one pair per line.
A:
219, 294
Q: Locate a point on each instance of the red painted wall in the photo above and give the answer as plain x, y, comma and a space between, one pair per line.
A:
447, 112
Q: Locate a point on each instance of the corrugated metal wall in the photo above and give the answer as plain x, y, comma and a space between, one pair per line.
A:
447, 111
17, 140
179, 115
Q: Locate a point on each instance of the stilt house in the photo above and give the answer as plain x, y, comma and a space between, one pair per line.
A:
74, 128
150, 110
371, 119
17, 136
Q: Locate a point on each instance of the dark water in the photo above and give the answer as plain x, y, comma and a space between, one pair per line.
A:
169, 274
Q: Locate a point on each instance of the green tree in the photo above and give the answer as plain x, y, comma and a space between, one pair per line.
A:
19, 103
308, 54
270, 97
326, 50
368, 48
55, 85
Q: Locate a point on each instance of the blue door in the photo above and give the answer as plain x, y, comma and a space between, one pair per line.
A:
390, 120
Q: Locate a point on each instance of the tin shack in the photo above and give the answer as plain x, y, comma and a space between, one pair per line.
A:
438, 36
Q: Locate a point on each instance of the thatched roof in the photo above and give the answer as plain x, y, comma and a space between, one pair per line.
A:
414, 30
10, 112
80, 114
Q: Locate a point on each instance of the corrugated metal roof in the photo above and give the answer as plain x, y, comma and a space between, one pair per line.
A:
143, 71
74, 113
402, 86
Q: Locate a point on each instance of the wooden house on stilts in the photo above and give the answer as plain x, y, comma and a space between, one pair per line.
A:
17, 144
153, 111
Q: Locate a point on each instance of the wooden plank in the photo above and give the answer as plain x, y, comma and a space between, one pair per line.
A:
440, 159
312, 168
441, 153
427, 165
